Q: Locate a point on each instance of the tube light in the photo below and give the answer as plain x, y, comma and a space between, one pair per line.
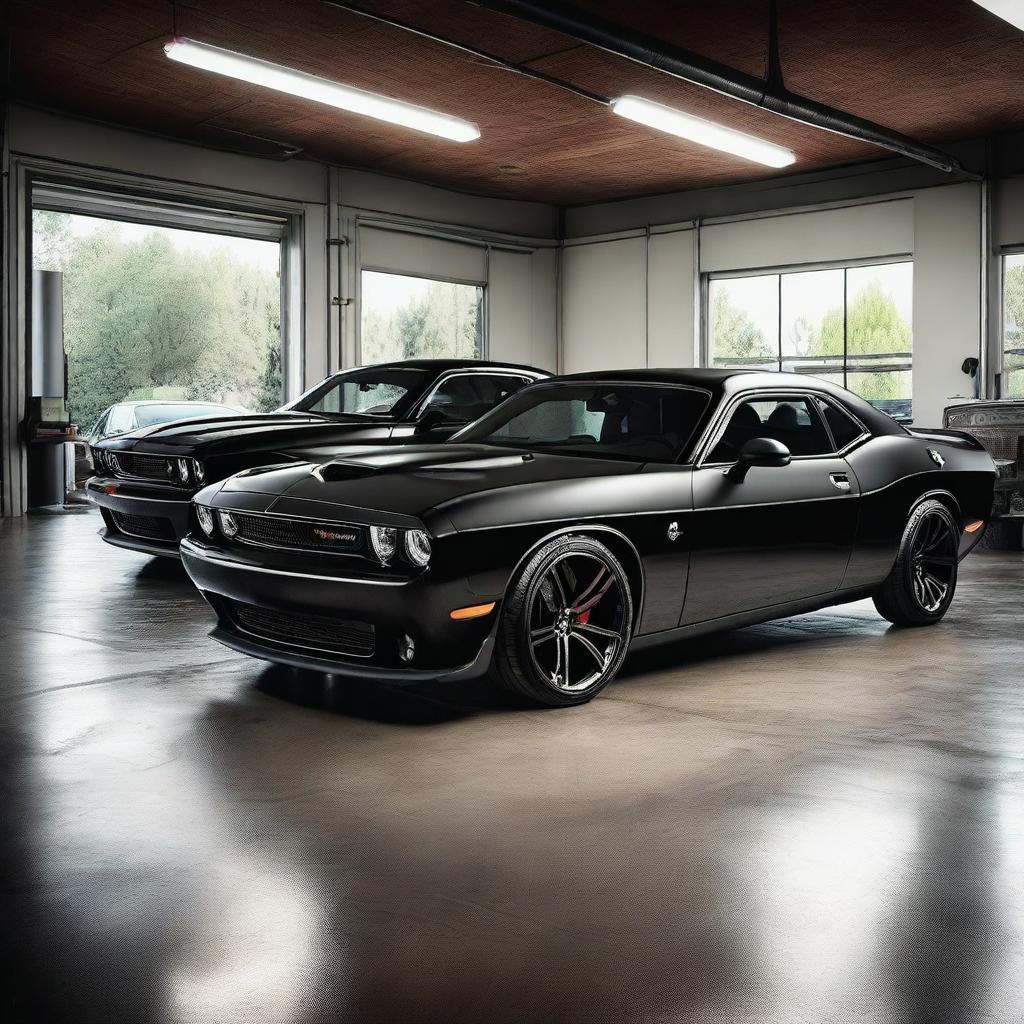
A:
1009, 10
705, 133
322, 90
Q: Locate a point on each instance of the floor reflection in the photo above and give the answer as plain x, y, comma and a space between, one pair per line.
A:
817, 820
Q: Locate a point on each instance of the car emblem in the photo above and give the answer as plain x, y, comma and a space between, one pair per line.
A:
331, 535
673, 531
936, 458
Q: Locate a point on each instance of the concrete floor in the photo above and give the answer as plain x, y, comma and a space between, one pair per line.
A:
816, 820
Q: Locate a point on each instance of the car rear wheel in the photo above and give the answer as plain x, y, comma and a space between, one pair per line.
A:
566, 623
920, 588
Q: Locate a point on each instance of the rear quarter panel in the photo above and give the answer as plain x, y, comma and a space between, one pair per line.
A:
894, 473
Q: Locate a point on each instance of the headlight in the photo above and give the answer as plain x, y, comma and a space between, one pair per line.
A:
198, 471
228, 524
384, 540
184, 470
205, 517
417, 547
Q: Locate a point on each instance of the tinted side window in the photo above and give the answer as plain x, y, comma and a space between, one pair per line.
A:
844, 429
466, 397
793, 421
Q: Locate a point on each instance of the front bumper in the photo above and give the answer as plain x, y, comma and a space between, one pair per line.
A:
417, 608
158, 520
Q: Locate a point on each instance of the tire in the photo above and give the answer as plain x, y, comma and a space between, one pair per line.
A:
920, 588
570, 603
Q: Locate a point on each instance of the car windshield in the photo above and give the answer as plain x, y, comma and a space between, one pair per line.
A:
149, 415
370, 391
638, 422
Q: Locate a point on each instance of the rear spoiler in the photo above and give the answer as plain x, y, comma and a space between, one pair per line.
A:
957, 438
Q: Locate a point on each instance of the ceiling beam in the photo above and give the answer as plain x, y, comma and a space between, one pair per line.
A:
768, 94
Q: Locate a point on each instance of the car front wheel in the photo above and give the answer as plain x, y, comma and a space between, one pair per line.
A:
920, 588
566, 623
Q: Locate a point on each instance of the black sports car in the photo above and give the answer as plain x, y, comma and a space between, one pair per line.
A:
146, 479
588, 515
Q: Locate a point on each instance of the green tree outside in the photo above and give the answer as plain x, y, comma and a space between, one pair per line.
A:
143, 319
444, 321
1013, 328
874, 328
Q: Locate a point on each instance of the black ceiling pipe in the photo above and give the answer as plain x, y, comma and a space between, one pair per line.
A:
692, 67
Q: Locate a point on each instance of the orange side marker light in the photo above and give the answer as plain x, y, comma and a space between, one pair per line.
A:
474, 611
975, 526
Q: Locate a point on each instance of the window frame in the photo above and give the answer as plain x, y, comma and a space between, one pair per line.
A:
706, 357
485, 320
716, 428
127, 203
1000, 365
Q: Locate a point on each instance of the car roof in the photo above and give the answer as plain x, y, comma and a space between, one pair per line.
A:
166, 401
443, 365
723, 383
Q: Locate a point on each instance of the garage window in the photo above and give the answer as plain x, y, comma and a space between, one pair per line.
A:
158, 312
850, 325
407, 317
1013, 325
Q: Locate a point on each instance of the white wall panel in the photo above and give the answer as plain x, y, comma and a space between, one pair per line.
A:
670, 300
522, 307
947, 290
379, 193
603, 305
405, 253
818, 236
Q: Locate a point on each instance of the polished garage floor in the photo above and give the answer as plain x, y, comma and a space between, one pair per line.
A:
818, 820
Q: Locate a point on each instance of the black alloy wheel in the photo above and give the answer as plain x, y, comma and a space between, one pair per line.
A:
920, 588
567, 623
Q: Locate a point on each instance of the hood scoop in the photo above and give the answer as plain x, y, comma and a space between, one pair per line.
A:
411, 460
335, 471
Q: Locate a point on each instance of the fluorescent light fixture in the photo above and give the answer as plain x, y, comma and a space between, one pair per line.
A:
322, 90
705, 133
1009, 10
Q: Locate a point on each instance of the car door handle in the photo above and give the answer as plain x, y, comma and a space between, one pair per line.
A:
840, 481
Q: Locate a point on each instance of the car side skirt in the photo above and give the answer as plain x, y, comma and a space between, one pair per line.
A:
750, 618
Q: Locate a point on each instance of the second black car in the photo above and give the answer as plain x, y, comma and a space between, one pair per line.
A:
144, 480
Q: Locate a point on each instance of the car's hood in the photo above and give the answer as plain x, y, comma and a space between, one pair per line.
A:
219, 435
446, 479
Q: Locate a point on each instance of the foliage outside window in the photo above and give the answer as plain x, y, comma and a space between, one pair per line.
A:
1013, 326
163, 313
849, 325
419, 318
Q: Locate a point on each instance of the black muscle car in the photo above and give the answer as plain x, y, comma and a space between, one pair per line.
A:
589, 515
145, 479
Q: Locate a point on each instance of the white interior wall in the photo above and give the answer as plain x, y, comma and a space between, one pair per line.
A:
947, 296
604, 322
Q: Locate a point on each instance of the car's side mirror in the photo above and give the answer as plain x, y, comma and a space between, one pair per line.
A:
759, 451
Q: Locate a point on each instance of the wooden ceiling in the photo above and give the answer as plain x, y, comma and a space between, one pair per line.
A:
938, 70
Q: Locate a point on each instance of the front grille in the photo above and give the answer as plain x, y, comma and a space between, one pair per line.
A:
150, 527
145, 467
278, 532
316, 632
